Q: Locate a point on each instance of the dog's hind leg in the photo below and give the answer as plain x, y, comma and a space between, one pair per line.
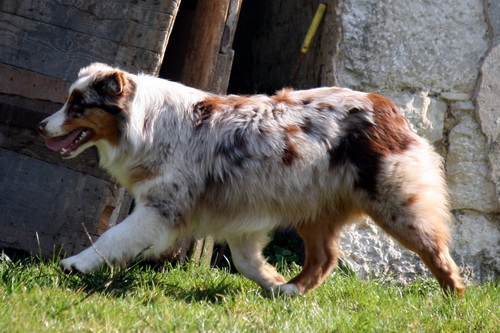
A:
321, 241
144, 233
420, 224
246, 251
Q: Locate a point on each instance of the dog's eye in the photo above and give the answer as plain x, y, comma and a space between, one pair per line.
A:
76, 110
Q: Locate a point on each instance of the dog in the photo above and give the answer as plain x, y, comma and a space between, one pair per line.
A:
237, 167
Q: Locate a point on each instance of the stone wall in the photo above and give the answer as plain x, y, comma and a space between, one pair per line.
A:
439, 60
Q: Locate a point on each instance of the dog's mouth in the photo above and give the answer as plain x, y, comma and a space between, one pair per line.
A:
67, 144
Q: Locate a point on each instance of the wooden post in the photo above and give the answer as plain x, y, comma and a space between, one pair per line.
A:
208, 66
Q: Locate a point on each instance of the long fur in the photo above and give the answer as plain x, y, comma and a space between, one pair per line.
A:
237, 167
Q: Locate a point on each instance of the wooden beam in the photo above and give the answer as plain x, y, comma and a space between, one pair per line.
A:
60, 53
22, 82
222, 71
205, 42
132, 23
208, 66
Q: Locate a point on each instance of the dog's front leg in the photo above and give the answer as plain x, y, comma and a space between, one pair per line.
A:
145, 232
246, 251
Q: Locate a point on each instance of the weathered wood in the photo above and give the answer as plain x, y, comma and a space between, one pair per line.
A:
42, 206
208, 66
206, 36
233, 15
222, 71
60, 53
21, 82
220, 82
127, 22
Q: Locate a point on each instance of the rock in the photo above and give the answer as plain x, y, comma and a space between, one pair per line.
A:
488, 112
455, 96
426, 114
477, 245
371, 253
466, 164
431, 45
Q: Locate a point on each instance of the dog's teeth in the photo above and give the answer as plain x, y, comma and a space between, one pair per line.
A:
63, 150
82, 135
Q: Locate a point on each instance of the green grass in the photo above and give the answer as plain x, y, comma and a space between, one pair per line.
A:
36, 297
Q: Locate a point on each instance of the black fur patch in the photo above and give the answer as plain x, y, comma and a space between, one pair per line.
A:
355, 148
290, 152
75, 108
365, 144
203, 111
165, 207
234, 149
81, 101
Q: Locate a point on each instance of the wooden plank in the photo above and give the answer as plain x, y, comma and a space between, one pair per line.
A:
60, 53
18, 119
220, 81
224, 64
42, 206
125, 22
206, 35
21, 82
208, 66
233, 14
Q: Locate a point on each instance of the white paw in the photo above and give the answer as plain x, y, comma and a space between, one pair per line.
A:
80, 263
286, 289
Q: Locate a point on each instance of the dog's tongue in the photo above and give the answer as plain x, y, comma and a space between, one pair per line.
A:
61, 142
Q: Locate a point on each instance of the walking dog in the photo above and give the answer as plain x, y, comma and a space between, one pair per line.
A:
237, 167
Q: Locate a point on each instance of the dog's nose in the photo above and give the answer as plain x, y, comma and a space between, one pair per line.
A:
41, 127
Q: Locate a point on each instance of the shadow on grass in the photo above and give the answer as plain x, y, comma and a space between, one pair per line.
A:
146, 276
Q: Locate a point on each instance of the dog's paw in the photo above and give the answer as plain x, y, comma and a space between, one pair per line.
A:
288, 289
74, 265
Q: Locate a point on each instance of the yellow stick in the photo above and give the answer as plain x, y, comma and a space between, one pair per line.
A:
313, 28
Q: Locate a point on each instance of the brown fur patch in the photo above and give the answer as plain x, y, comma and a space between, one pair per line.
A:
325, 107
116, 91
291, 151
306, 127
111, 83
212, 103
237, 101
140, 174
390, 135
367, 142
205, 108
292, 129
203, 111
103, 223
283, 96
411, 200
103, 125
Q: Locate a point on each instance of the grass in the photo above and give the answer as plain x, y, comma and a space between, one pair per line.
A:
36, 297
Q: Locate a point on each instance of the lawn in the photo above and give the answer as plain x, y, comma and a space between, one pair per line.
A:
37, 297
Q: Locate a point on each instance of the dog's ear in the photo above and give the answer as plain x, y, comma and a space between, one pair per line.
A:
110, 83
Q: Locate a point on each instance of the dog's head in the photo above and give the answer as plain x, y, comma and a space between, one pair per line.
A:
97, 104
